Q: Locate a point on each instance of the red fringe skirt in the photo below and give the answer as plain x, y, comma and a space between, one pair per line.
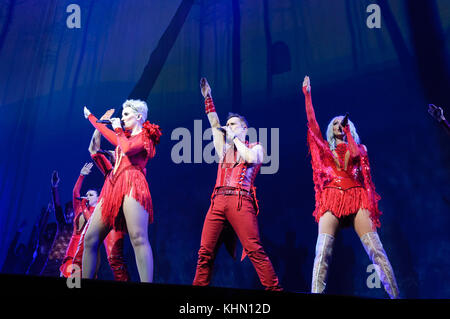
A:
342, 203
115, 189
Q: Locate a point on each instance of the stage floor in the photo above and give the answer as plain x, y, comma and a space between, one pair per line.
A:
183, 301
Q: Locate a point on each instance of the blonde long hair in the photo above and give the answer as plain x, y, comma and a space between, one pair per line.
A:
330, 135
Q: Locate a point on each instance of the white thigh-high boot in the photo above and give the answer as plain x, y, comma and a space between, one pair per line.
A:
324, 250
374, 248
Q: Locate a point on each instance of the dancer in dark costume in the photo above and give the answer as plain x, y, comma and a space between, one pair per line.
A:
63, 235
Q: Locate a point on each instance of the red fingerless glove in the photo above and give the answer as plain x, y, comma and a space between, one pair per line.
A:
304, 91
353, 147
209, 105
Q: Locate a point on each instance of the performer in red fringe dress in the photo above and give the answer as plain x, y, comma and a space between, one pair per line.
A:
84, 208
345, 195
125, 201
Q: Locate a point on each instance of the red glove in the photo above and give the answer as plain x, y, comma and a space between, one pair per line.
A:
209, 105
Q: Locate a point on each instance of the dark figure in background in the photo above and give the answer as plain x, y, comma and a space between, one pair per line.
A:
233, 202
15, 258
45, 234
32, 241
22, 259
63, 233
438, 114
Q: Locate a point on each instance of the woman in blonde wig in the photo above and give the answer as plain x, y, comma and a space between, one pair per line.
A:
125, 201
345, 195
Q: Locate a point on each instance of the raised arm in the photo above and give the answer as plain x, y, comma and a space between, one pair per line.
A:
355, 150
103, 164
42, 222
310, 115
56, 201
446, 125
438, 114
210, 110
77, 203
76, 193
34, 237
106, 132
13, 244
94, 145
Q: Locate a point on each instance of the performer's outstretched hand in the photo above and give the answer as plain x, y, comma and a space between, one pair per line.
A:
55, 179
436, 112
107, 114
86, 112
86, 170
205, 88
306, 85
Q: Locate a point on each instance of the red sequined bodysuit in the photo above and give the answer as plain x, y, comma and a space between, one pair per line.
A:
342, 180
128, 175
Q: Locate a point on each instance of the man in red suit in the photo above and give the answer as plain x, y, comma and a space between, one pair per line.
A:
233, 202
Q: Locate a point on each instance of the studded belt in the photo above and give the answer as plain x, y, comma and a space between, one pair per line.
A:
231, 191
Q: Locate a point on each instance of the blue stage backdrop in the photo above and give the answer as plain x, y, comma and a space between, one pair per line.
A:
254, 55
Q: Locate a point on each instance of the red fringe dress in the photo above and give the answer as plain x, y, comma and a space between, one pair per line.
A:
342, 183
128, 176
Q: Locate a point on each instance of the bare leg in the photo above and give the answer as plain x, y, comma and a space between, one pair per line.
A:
362, 223
95, 234
137, 224
328, 225
372, 244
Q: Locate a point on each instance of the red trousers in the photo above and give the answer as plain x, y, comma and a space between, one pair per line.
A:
243, 220
114, 250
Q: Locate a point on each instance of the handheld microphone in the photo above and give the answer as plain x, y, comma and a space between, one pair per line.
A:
345, 120
81, 198
108, 122
224, 131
